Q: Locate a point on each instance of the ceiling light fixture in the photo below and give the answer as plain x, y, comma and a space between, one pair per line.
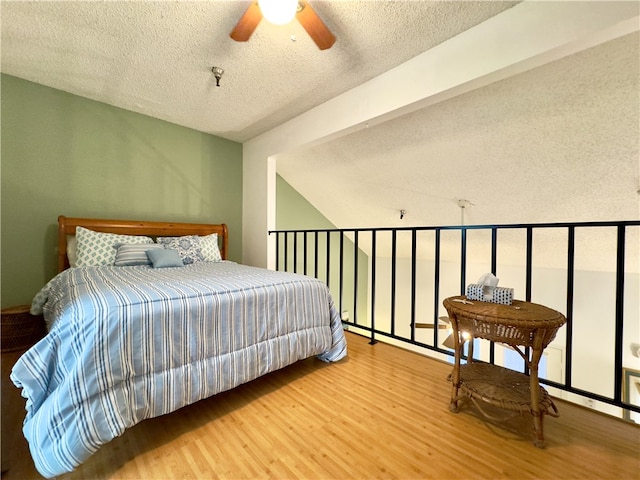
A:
279, 12
217, 72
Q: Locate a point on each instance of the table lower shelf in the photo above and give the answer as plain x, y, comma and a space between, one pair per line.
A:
501, 388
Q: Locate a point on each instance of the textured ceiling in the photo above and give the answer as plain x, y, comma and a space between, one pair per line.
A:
556, 143
155, 57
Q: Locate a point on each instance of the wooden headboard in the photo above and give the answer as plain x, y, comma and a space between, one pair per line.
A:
67, 226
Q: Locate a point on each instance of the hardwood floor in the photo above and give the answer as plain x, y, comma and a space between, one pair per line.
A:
381, 413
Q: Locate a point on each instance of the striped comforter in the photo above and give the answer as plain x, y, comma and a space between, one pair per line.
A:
129, 343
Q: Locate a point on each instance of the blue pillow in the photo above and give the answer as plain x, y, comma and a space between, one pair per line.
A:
128, 254
165, 257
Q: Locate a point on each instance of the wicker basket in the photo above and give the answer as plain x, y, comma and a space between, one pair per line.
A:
20, 329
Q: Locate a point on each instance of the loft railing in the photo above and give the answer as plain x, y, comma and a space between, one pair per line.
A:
377, 277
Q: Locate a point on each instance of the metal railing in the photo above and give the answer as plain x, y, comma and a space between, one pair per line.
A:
349, 261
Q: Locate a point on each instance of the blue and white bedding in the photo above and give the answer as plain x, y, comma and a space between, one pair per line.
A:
130, 343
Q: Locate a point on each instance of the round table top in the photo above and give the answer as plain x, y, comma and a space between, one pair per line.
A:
518, 314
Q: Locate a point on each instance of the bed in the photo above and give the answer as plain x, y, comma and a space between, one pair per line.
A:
131, 338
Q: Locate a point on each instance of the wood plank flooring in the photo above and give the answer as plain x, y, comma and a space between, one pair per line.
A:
381, 413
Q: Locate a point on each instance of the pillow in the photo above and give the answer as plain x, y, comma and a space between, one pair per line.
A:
210, 249
72, 250
130, 254
164, 257
188, 247
96, 248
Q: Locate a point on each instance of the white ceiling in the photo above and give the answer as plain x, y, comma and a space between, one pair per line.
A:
557, 143
155, 57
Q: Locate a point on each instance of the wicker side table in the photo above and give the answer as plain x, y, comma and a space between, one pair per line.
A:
520, 324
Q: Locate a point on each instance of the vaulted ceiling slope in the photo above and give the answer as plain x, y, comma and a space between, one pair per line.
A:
557, 143
155, 58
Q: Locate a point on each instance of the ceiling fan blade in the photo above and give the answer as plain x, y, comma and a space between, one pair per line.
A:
247, 23
443, 323
314, 26
430, 325
449, 342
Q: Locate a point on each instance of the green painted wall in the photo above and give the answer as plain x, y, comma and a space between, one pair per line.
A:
294, 212
67, 155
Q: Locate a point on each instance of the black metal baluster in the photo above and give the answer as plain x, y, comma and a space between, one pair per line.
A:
393, 281
355, 277
617, 379
295, 252
436, 287
413, 284
571, 242
373, 287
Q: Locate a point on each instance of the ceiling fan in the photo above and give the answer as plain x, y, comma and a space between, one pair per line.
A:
443, 323
306, 15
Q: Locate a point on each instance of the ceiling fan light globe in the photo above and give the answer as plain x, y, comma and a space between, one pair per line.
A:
279, 12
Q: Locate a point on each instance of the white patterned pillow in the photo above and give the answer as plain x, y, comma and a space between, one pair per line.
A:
96, 248
188, 247
210, 249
